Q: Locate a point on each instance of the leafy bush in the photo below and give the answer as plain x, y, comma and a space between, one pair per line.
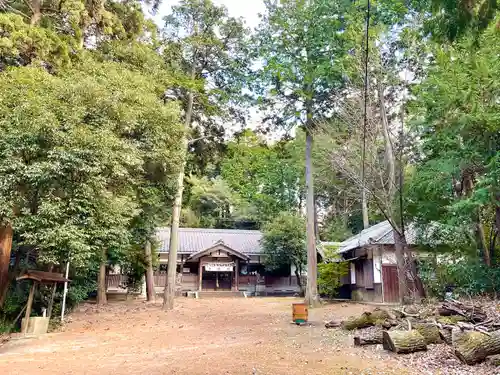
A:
465, 275
284, 243
330, 273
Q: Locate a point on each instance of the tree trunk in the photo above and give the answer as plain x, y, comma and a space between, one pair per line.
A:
169, 291
150, 285
400, 244
316, 225
484, 243
101, 280
390, 157
473, 347
402, 342
299, 280
497, 217
37, 13
51, 301
364, 207
311, 297
371, 338
5, 251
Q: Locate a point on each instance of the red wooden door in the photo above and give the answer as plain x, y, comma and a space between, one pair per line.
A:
391, 283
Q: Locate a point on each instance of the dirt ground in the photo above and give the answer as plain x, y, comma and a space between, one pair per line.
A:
205, 336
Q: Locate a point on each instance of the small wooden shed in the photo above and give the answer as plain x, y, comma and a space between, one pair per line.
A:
38, 277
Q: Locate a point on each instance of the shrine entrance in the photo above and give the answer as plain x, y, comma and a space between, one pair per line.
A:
217, 281
218, 268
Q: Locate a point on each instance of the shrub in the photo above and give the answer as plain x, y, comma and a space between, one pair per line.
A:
330, 273
465, 275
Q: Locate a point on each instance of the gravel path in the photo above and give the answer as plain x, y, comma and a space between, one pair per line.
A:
207, 336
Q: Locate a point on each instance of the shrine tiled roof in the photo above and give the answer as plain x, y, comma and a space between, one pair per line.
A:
192, 240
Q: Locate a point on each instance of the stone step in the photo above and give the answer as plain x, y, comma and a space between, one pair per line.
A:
219, 294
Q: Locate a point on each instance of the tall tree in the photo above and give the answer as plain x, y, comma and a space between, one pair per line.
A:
300, 44
455, 184
88, 217
209, 46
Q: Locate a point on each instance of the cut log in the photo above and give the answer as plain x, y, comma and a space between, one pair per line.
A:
473, 347
445, 312
473, 313
456, 335
371, 338
446, 335
367, 319
430, 332
362, 321
402, 342
453, 319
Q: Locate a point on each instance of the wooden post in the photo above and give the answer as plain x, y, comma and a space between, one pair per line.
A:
236, 275
65, 293
182, 268
200, 275
29, 306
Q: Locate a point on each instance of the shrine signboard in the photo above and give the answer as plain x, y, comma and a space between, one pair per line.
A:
219, 266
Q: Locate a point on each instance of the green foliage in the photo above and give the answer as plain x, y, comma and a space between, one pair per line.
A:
88, 145
456, 181
72, 148
209, 47
134, 266
21, 44
211, 201
268, 178
284, 242
465, 275
450, 20
330, 273
301, 44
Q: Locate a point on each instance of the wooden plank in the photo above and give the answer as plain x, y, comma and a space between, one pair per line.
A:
43, 276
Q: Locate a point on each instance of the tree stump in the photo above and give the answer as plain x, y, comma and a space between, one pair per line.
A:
402, 342
473, 347
371, 338
430, 332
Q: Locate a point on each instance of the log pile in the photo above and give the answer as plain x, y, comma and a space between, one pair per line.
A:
473, 334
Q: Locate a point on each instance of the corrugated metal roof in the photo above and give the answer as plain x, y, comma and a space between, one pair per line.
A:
378, 234
192, 240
